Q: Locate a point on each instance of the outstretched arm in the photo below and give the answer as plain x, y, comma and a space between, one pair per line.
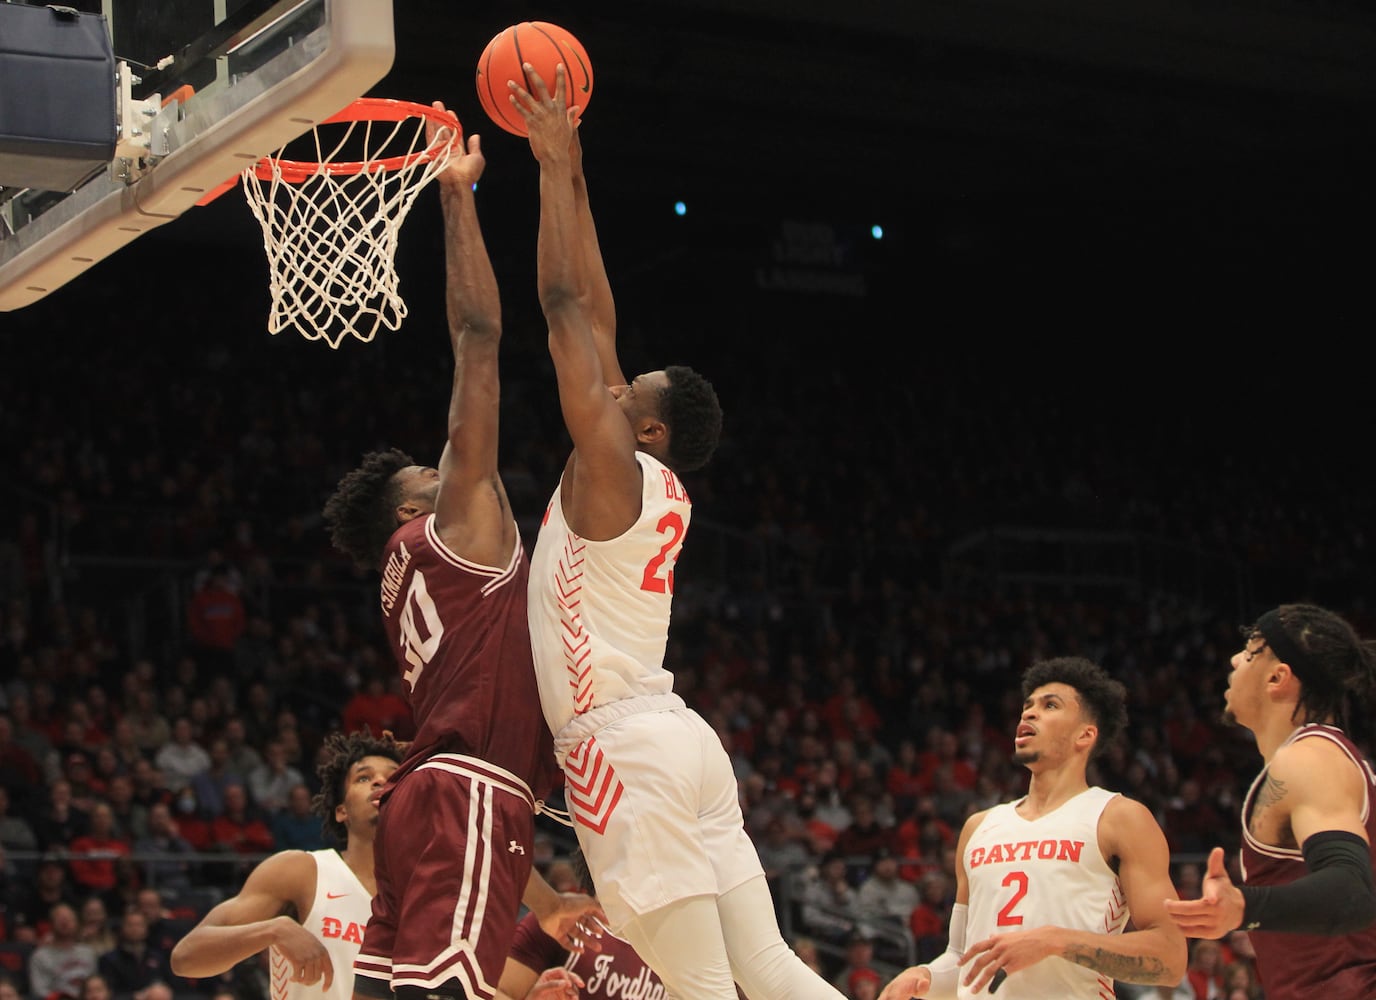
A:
471, 510
597, 289
604, 498
246, 924
1318, 793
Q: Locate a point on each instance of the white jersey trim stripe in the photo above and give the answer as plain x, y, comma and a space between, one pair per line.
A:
500, 575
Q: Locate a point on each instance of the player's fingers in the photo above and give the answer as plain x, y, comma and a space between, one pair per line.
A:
1217, 867
537, 82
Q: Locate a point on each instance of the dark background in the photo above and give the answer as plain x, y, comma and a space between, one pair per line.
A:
1129, 241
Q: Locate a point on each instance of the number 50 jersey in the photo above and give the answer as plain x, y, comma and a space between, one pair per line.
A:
1049, 871
599, 611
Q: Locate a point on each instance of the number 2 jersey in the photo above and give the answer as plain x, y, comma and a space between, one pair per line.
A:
1048, 871
459, 633
599, 611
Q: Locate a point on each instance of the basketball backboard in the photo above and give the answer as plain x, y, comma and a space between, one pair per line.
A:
205, 88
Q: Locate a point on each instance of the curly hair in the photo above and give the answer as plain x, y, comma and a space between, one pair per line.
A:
346, 750
690, 409
360, 512
1337, 668
1102, 698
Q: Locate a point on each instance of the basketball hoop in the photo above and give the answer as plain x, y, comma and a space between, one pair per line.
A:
330, 225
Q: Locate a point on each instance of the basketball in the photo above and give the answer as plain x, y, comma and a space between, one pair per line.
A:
544, 46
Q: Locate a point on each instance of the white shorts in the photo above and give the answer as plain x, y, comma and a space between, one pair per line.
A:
654, 800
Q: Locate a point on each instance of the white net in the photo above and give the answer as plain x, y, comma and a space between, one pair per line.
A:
330, 227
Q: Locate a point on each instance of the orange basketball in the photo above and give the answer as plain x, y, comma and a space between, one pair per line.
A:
544, 46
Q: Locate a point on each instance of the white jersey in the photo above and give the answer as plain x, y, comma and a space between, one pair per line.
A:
599, 611
1047, 871
338, 914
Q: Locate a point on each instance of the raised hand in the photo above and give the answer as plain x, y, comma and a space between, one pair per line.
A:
466, 163
1219, 907
550, 123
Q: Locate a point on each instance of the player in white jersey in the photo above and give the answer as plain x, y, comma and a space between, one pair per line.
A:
649, 785
307, 908
1046, 884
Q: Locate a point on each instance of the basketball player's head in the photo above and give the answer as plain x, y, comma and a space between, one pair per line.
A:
1068, 702
353, 769
371, 502
1305, 656
675, 415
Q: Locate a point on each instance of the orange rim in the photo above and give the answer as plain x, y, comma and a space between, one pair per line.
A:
374, 109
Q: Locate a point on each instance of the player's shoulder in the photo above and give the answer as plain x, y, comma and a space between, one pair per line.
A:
973, 822
1315, 753
287, 869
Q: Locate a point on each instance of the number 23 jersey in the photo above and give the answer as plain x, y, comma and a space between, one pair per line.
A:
599, 611
1048, 871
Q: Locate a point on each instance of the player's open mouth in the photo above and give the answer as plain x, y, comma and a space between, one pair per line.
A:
1024, 733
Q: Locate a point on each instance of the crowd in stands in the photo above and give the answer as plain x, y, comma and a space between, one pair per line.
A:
177, 638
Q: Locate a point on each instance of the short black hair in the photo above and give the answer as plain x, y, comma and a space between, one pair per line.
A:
346, 750
1102, 698
361, 512
691, 411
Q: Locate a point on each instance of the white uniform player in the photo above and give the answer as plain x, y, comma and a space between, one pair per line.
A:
337, 917
648, 784
1039, 872
1046, 884
307, 909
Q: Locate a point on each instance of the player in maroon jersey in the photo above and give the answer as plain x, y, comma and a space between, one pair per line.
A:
617, 972
1309, 820
456, 832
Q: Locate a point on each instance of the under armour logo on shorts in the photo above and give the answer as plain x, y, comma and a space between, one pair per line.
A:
515, 848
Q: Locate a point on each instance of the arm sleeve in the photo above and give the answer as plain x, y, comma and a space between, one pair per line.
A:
945, 968
1337, 897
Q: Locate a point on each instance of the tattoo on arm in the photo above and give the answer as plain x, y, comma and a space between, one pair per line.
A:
1125, 968
1271, 792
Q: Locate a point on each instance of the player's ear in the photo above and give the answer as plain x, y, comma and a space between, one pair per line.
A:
1281, 678
406, 511
651, 431
1088, 735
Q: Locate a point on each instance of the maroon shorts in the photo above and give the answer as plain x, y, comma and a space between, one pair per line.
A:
452, 856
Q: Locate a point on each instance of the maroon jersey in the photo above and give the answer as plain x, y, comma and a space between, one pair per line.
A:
1308, 966
616, 972
460, 636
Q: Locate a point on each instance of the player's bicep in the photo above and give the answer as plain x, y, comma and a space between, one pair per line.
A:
277, 882
1327, 791
1144, 859
962, 876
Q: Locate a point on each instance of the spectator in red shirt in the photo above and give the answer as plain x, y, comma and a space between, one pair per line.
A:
240, 828
95, 854
216, 616
376, 710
